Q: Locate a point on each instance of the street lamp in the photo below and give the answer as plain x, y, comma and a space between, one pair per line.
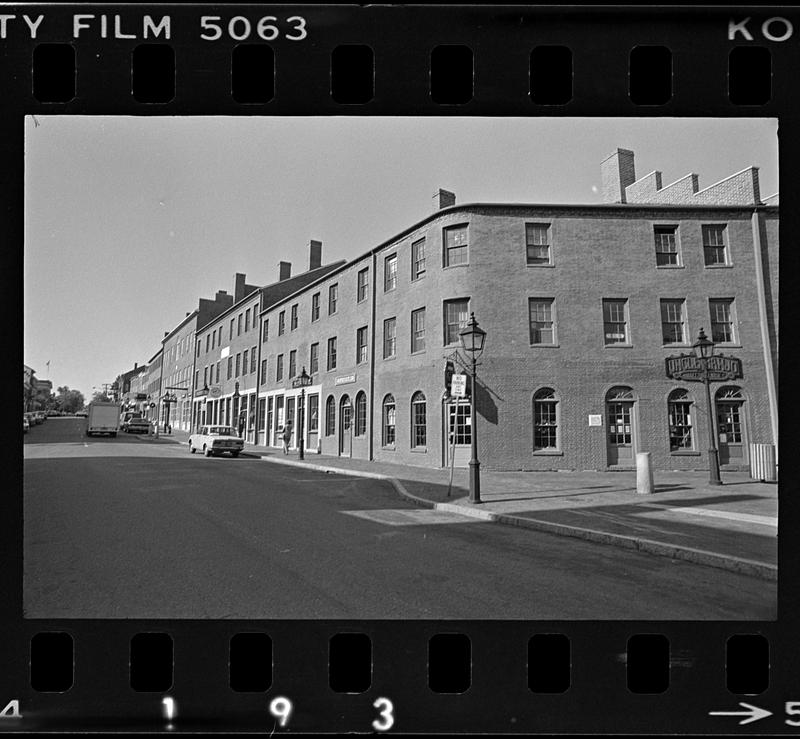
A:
472, 340
303, 381
236, 396
704, 351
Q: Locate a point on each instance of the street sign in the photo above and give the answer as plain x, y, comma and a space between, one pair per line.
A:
689, 368
458, 386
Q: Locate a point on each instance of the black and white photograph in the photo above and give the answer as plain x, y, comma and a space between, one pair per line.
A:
367, 367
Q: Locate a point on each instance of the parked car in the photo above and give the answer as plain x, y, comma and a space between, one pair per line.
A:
137, 426
126, 417
214, 440
42, 416
34, 419
25, 424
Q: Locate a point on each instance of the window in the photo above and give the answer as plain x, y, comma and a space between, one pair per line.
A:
419, 428
456, 315
537, 243
313, 413
313, 363
219, 340
238, 364
390, 273
417, 259
230, 333
714, 251
456, 250
230, 367
198, 347
217, 375
673, 330
331, 353
208, 341
679, 409
279, 368
418, 330
363, 284
197, 379
253, 359
281, 322
540, 318
615, 326
389, 337
266, 330
361, 345
247, 320
721, 320
263, 371
245, 355
214, 340
293, 319
545, 420
333, 297
389, 420
239, 325
205, 376
293, 363
315, 307
666, 246
361, 414
330, 416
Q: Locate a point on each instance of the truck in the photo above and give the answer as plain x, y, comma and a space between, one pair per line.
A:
103, 418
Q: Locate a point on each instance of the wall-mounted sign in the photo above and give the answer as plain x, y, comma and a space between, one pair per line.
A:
689, 368
215, 391
345, 379
225, 352
458, 386
595, 420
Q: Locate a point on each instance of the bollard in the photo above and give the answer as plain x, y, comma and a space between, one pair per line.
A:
644, 474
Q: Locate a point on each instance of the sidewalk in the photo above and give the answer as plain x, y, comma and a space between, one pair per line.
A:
733, 526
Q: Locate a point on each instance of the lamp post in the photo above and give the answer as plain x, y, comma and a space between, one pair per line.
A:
303, 381
236, 397
705, 350
472, 340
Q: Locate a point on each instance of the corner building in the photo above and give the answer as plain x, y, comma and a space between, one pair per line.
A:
582, 304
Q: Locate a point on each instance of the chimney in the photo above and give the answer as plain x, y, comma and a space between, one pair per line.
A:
219, 296
135, 365
314, 254
284, 270
617, 172
444, 199
238, 290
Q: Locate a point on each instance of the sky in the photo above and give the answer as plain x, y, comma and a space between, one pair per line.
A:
130, 220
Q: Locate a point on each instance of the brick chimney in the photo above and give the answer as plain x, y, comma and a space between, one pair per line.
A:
238, 290
314, 254
219, 295
617, 172
284, 271
444, 199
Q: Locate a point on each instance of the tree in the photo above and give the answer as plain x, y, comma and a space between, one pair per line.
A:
69, 401
100, 397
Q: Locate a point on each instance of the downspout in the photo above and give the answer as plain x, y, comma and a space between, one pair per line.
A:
371, 453
258, 372
765, 340
193, 378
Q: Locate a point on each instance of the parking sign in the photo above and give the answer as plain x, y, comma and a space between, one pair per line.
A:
458, 386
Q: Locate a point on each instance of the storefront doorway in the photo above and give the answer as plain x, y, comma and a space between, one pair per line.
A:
345, 427
620, 427
731, 427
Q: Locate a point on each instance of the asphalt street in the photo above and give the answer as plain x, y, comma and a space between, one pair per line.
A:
133, 528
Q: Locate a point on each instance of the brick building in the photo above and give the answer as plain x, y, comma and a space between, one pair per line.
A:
581, 305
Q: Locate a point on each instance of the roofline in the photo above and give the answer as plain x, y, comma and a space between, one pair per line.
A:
558, 206
188, 318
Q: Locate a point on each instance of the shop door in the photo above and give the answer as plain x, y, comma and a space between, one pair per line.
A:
345, 428
620, 433
730, 428
458, 429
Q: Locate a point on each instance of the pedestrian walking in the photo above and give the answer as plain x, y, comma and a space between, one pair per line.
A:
287, 436
242, 417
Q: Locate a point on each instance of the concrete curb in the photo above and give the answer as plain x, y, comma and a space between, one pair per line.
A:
749, 567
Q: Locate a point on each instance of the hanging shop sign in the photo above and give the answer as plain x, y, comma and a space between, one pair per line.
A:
689, 368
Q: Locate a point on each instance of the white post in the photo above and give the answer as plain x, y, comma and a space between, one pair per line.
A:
644, 474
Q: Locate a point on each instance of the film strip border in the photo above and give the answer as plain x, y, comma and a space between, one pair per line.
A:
454, 60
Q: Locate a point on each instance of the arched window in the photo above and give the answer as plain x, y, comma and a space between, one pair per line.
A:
361, 414
679, 409
619, 393
389, 420
545, 420
419, 426
330, 416
729, 392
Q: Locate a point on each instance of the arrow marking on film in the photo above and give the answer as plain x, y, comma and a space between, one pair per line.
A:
753, 713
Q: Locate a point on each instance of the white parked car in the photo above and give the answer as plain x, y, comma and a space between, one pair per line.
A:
213, 440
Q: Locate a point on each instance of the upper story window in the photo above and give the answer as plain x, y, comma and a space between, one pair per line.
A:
418, 330
315, 307
715, 250
245, 355
279, 368
363, 284
247, 320
361, 345
198, 347
333, 298
390, 273
239, 325
537, 243
456, 248
293, 319
230, 367
253, 359
230, 333
417, 259
615, 322
722, 320
281, 323
331, 353
263, 371
541, 321
673, 321
666, 241
313, 363
214, 339
208, 342
238, 365
293, 363
265, 336
456, 316
389, 338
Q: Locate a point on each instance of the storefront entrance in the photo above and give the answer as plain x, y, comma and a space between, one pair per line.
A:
457, 429
620, 430
345, 427
731, 431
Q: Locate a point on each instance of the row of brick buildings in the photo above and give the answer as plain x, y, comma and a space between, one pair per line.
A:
582, 304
